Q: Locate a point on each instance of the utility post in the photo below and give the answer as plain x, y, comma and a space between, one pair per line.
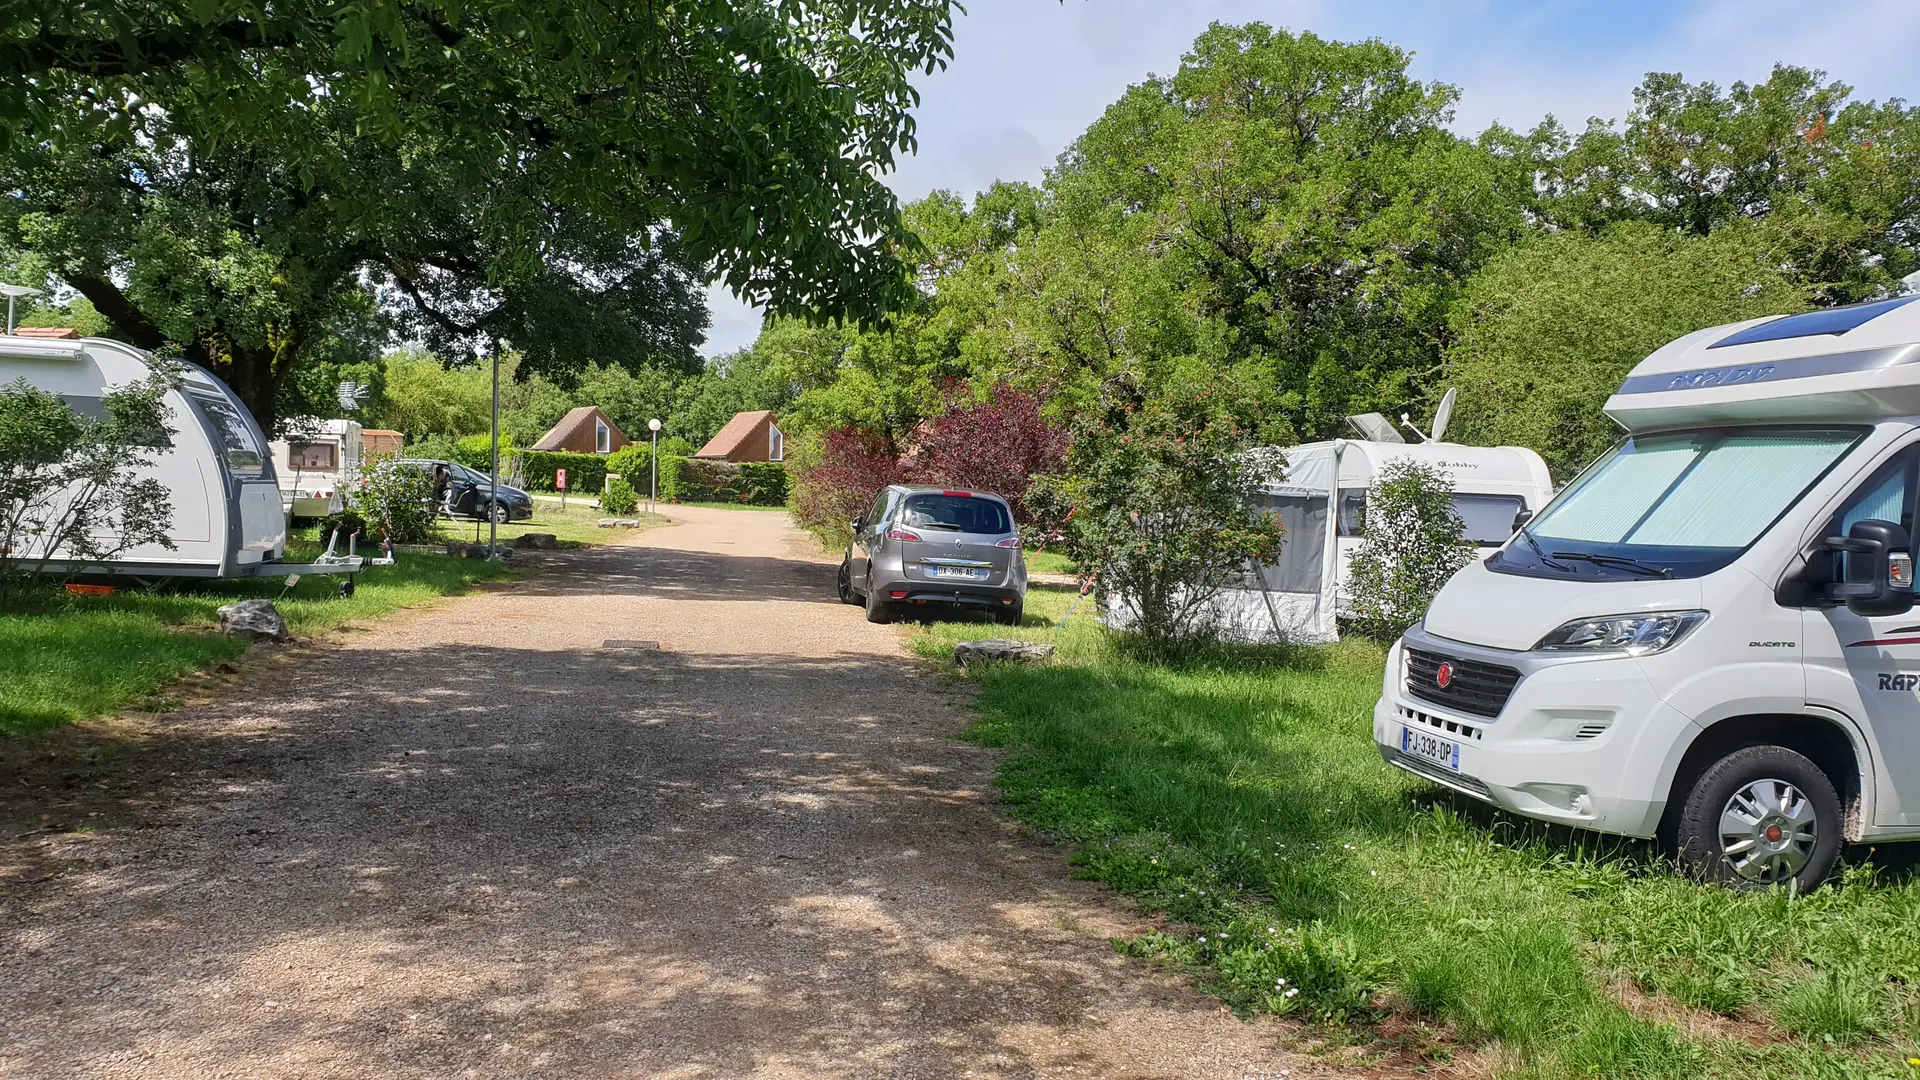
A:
493, 490
12, 291
653, 488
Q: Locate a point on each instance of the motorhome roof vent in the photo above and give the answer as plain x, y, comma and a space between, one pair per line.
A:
1828, 321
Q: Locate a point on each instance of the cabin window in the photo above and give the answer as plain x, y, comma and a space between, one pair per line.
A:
1487, 519
776, 444
602, 438
313, 455
233, 436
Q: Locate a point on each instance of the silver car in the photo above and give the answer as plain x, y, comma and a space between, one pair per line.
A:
918, 546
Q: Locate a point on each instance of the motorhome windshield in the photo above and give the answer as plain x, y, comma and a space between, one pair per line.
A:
1674, 504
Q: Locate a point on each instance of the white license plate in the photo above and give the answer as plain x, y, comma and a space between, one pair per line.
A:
961, 572
1430, 747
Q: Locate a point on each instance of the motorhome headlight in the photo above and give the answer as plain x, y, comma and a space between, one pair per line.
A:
1636, 635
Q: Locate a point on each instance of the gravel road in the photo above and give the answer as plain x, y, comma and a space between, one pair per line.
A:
487, 839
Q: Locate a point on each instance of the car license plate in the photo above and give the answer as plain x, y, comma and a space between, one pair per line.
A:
1431, 747
961, 572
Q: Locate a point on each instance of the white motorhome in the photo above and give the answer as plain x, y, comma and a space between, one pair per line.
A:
316, 464
227, 515
1707, 636
1322, 506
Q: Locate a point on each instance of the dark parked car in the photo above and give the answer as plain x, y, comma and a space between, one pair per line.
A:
470, 494
919, 546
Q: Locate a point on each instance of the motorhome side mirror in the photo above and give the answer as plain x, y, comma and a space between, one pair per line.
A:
1521, 518
1878, 579
859, 523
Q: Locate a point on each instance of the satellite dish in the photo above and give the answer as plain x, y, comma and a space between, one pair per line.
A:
349, 394
1443, 414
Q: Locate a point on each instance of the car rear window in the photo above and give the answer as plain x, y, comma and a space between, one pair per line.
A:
956, 513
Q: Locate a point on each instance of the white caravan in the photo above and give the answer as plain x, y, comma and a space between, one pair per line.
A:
1322, 506
227, 516
316, 464
1707, 636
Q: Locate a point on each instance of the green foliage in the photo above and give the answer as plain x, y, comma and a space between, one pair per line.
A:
618, 499
632, 463
423, 397
763, 483
396, 501
476, 453
346, 523
1833, 1007
670, 468
77, 488
1413, 543
586, 473
1163, 501
1549, 329
703, 480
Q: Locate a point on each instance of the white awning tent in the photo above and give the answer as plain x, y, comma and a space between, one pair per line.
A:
1297, 598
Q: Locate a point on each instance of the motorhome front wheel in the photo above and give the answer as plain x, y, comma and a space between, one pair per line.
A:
1759, 817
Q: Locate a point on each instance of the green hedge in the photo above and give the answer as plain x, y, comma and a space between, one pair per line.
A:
586, 473
698, 480
764, 483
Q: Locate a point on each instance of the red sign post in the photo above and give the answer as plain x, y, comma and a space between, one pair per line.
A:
560, 481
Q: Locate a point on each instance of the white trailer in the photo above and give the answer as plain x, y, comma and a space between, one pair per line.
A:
1322, 505
317, 464
228, 519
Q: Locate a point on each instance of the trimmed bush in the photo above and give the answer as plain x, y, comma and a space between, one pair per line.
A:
670, 465
764, 483
345, 522
632, 463
619, 499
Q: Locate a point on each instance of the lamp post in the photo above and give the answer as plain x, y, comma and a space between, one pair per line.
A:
653, 487
12, 291
493, 491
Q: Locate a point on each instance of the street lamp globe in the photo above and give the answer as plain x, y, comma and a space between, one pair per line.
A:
653, 425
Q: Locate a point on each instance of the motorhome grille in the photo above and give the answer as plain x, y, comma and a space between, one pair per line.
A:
1439, 724
1439, 774
1472, 687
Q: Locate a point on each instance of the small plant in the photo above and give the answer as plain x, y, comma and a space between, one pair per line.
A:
70, 485
1413, 544
399, 499
619, 498
344, 522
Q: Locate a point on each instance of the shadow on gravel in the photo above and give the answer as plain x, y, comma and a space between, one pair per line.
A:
691, 575
599, 863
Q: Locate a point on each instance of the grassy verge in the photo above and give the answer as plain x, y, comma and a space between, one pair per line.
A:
1243, 799
1050, 562
69, 658
727, 506
573, 524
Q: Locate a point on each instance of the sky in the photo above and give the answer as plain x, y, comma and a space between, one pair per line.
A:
1028, 76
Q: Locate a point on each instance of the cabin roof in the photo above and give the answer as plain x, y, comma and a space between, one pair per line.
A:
575, 420
731, 437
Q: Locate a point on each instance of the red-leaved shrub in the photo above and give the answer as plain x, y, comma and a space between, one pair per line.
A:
996, 445
854, 464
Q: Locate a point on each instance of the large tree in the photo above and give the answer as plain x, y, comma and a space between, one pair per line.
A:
236, 175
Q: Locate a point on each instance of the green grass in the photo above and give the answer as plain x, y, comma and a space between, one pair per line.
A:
1050, 562
668, 507
573, 525
69, 658
1241, 796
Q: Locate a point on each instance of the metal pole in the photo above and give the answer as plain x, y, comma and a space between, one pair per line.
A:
653, 487
9, 314
493, 520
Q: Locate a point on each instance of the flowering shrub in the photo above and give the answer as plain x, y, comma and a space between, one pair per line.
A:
1413, 544
997, 445
1163, 502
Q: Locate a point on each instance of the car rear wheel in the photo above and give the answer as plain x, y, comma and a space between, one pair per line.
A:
843, 582
1010, 616
878, 610
1759, 817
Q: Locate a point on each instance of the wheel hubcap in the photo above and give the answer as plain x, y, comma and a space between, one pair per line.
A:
1768, 831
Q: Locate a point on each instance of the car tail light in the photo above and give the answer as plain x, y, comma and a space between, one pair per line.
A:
898, 594
959, 494
903, 534
1009, 542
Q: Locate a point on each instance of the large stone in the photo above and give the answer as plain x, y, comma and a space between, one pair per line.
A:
255, 619
1001, 649
618, 523
537, 542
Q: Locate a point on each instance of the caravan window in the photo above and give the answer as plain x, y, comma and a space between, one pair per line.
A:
233, 436
1488, 518
1353, 513
312, 455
